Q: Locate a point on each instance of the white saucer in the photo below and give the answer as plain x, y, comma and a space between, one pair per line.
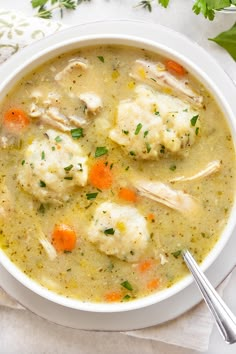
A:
182, 301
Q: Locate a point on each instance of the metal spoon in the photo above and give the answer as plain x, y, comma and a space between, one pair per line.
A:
224, 318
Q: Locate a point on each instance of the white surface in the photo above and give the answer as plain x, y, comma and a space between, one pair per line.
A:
56, 339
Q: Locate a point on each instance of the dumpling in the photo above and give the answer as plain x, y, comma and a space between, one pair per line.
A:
52, 167
120, 231
153, 124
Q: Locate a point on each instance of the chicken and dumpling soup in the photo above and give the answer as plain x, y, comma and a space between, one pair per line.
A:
112, 160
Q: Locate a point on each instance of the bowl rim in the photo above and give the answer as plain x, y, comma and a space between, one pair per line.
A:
155, 47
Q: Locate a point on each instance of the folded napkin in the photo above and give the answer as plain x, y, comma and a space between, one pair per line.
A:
191, 330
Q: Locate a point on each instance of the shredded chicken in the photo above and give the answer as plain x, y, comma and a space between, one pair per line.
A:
163, 194
212, 167
156, 75
92, 101
79, 63
48, 247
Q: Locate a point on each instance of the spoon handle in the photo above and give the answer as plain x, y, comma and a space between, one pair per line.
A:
225, 319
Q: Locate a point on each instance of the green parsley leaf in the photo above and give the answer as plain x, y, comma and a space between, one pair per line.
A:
100, 151
157, 113
126, 284
101, 58
77, 133
197, 130
126, 132
42, 184
148, 147
58, 139
132, 153
176, 254
23, 162
91, 196
193, 120
110, 231
145, 133
201, 6
138, 128
43, 155
227, 40
68, 168
127, 297
163, 3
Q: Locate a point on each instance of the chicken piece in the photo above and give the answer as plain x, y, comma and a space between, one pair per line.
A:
5, 199
79, 63
35, 111
163, 194
120, 231
156, 75
92, 101
53, 167
154, 124
212, 167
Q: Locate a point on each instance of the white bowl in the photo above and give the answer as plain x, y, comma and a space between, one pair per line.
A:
165, 44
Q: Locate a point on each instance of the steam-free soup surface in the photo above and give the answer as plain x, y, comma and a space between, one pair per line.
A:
112, 160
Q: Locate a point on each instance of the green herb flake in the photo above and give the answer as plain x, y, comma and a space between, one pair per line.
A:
126, 284
132, 153
162, 150
185, 110
127, 297
127, 168
68, 270
23, 162
68, 178
197, 130
193, 120
157, 113
148, 147
77, 133
58, 139
66, 252
126, 132
101, 58
43, 155
53, 148
100, 151
145, 133
91, 196
42, 184
176, 254
138, 128
172, 167
110, 231
68, 168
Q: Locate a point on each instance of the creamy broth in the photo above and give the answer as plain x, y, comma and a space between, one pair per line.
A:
101, 266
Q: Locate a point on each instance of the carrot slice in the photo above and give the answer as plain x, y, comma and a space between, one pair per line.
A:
153, 284
63, 238
151, 217
15, 120
113, 296
100, 175
145, 265
175, 67
128, 195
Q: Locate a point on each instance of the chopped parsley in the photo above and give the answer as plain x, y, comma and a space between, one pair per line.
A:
173, 167
53, 148
132, 153
100, 151
176, 254
153, 79
101, 58
127, 168
126, 284
157, 113
110, 231
138, 128
145, 133
77, 133
68, 270
193, 120
68, 168
127, 297
91, 196
126, 132
43, 155
148, 147
68, 178
80, 166
23, 162
197, 130
42, 184
162, 151
58, 139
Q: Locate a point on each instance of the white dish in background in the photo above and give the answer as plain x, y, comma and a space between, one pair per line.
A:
166, 304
